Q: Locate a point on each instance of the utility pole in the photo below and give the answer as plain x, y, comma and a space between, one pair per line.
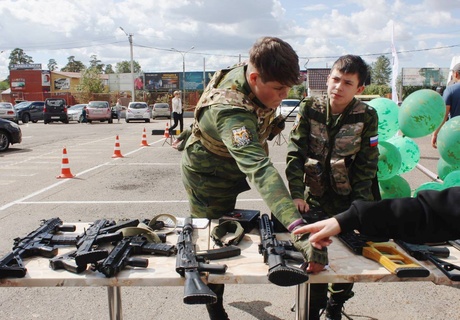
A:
183, 53
130, 38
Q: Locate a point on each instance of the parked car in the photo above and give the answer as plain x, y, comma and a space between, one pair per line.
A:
161, 109
138, 111
288, 108
8, 112
74, 112
30, 111
122, 114
10, 133
99, 111
55, 110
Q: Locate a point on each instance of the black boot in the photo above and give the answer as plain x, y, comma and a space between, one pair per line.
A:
216, 310
334, 310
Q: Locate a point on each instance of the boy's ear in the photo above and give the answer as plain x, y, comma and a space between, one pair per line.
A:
360, 89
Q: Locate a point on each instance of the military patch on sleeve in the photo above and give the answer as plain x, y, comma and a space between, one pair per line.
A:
241, 137
374, 141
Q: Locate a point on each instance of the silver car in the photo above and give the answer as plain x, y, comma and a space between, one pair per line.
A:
161, 109
74, 112
288, 108
138, 111
8, 112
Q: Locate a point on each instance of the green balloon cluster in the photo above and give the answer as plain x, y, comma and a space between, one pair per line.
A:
421, 113
389, 160
429, 186
387, 111
452, 179
395, 187
448, 141
409, 150
444, 168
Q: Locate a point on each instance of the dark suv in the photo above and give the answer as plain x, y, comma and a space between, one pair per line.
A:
30, 111
55, 110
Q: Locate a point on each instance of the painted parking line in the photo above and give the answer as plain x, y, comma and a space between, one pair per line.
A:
119, 201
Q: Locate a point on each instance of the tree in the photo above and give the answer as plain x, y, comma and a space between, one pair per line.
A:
18, 56
381, 71
90, 83
108, 69
125, 67
52, 65
73, 65
96, 63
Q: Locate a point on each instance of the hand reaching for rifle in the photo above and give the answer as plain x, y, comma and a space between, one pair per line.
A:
320, 232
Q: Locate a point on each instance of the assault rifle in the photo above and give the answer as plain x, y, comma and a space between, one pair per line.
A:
384, 253
76, 261
275, 252
41, 242
432, 254
120, 256
189, 265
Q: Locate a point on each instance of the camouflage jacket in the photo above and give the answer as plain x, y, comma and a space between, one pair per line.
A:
237, 126
335, 157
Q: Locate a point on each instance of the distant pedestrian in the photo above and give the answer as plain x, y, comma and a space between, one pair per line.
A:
83, 115
118, 108
177, 111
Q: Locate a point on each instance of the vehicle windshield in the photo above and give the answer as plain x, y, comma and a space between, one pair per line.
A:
76, 107
22, 104
289, 103
138, 106
161, 105
99, 105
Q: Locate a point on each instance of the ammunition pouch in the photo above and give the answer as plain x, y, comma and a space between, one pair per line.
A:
314, 177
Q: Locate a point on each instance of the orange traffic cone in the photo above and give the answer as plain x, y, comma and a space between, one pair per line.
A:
166, 134
65, 170
117, 152
144, 140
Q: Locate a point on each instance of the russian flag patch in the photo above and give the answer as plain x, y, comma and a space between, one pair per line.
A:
374, 141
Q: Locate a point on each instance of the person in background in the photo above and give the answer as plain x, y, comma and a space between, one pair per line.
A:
177, 112
83, 115
118, 108
228, 144
333, 152
451, 96
432, 216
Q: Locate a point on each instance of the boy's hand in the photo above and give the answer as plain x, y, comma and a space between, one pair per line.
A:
320, 232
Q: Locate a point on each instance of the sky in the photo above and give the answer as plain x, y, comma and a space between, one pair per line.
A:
426, 33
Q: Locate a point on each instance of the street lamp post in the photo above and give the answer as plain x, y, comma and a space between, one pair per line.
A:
183, 53
130, 38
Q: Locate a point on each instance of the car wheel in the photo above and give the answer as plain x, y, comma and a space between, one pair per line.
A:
34, 121
25, 118
4, 141
147, 120
110, 120
127, 121
66, 121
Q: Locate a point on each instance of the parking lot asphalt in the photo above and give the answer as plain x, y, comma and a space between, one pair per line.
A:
142, 184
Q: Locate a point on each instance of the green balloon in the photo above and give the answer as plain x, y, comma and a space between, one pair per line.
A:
409, 150
444, 168
448, 141
389, 160
429, 186
395, 187
421, 113
387, 111
452, 179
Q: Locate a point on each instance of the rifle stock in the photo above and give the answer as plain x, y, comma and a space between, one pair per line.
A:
274, 254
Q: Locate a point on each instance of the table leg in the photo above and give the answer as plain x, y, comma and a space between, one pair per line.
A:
115, 310
302, 301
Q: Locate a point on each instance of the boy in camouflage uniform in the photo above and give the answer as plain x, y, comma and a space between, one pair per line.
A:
229, 142
333, 152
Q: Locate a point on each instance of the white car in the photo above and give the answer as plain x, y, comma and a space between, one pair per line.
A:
288, 108
74, 112
138, 111
8, 112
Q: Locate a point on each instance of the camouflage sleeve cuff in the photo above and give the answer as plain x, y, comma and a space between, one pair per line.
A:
310, 253
295, 224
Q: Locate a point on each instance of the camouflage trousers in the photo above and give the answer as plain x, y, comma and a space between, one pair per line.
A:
211, 182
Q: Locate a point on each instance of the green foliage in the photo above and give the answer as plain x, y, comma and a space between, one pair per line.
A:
380, 90
108, 69
381, 71
296, 92
125, 67
5, 84
90, 83
96, 63
73, 65
18, 56
52, 65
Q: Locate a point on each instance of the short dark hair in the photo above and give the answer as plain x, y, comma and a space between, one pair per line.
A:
275, 60
352, 64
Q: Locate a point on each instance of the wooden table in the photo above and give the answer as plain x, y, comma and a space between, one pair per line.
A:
248, 268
